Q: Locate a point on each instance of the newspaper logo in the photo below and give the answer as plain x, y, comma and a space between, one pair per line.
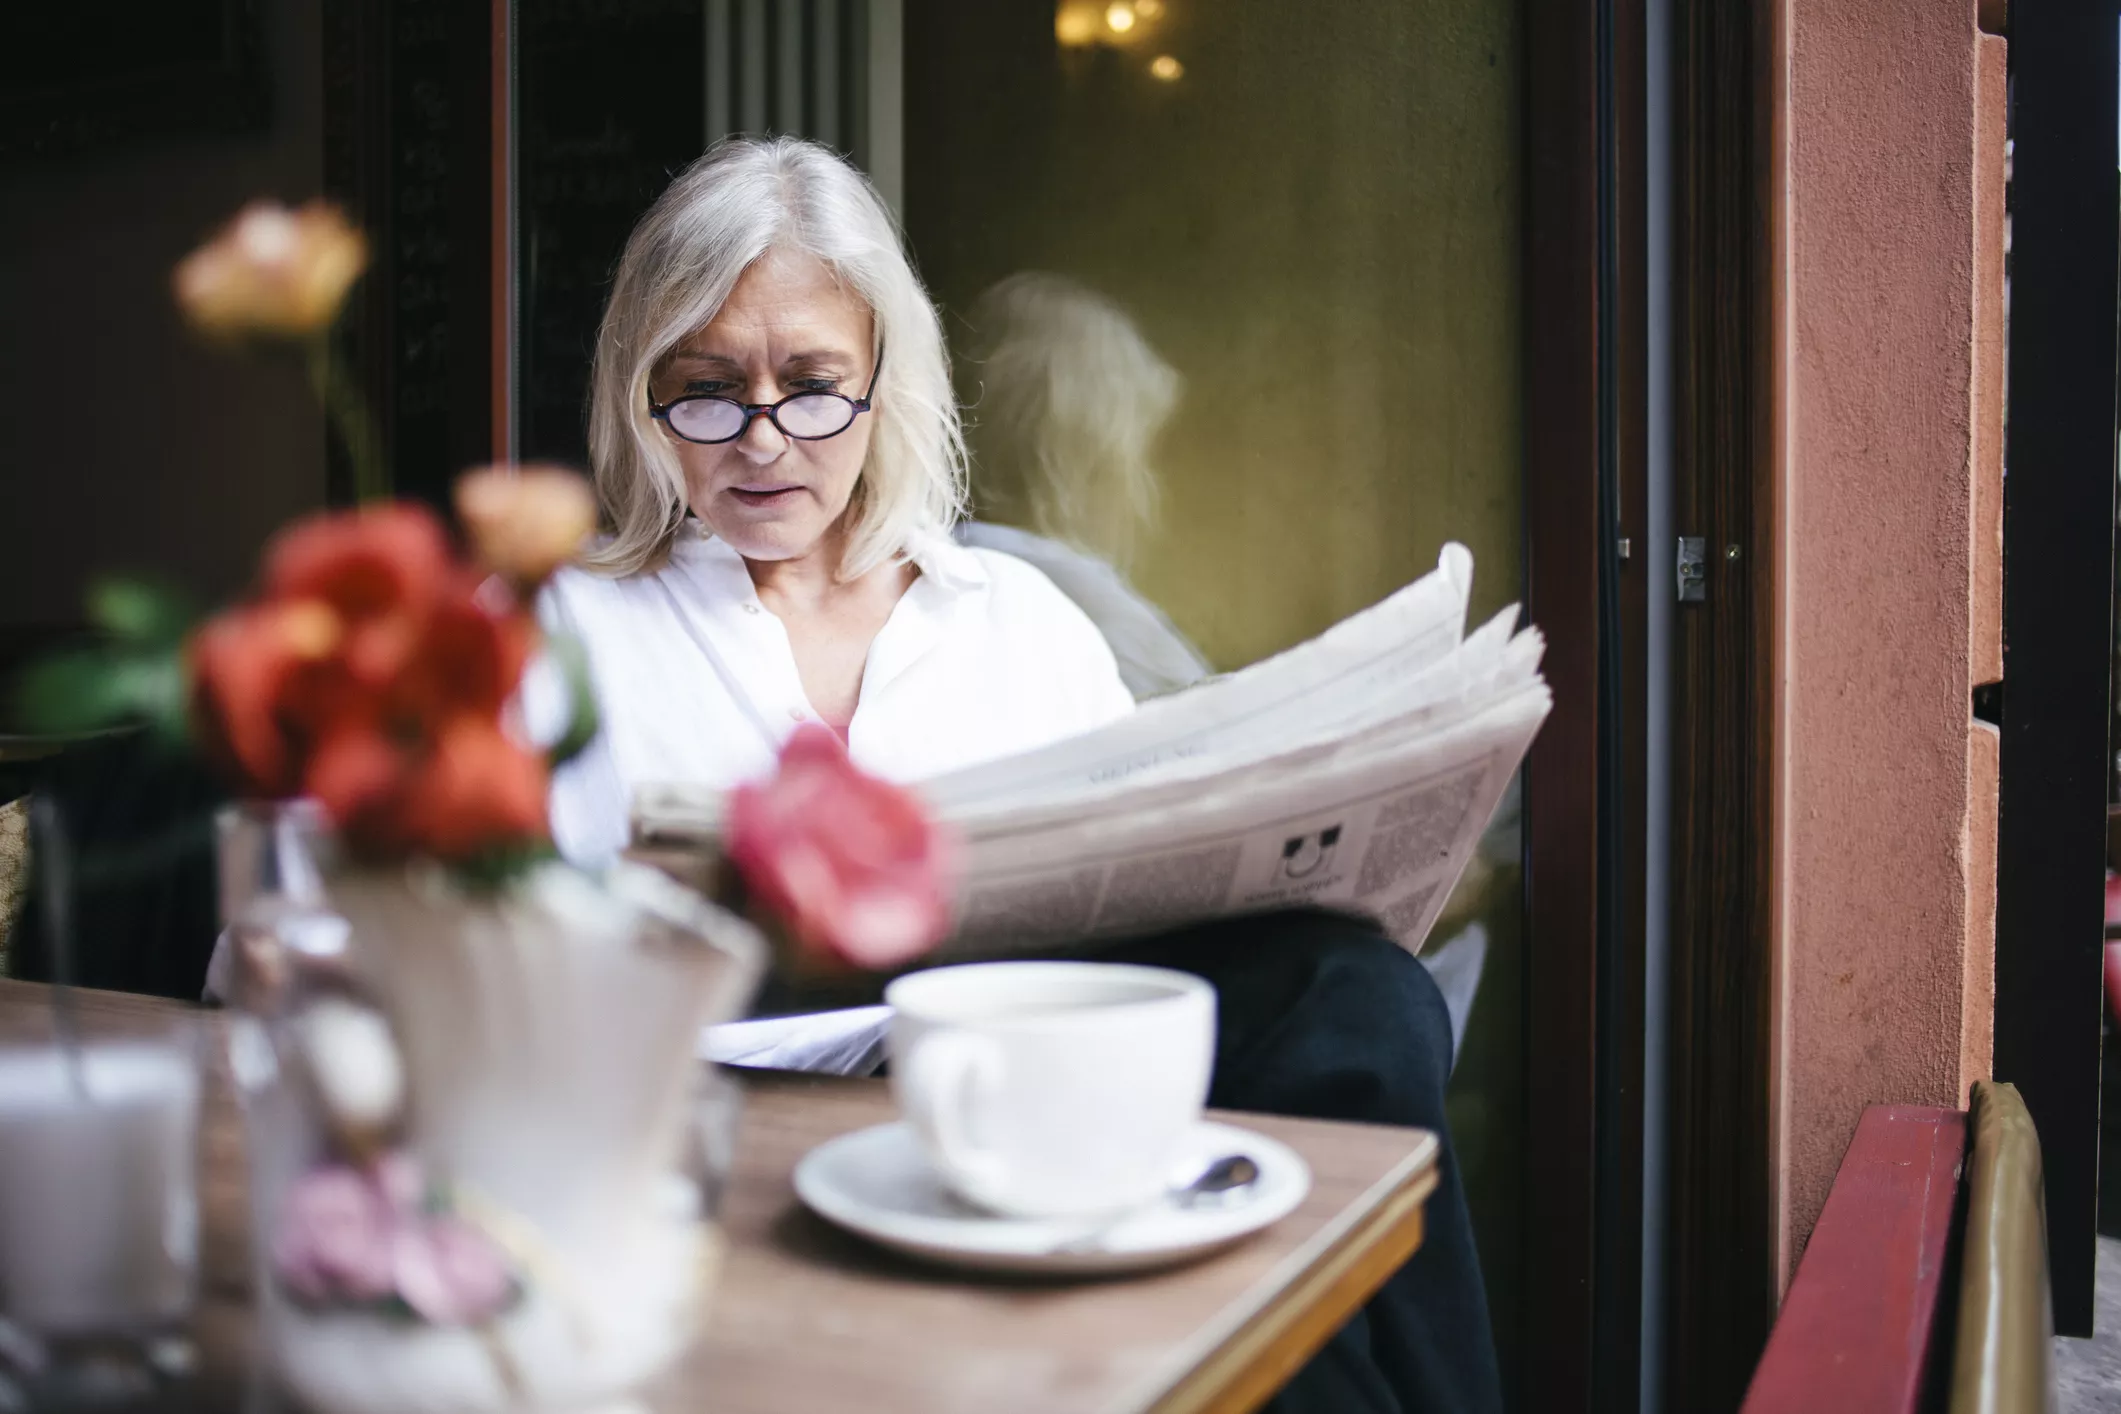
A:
1305, 855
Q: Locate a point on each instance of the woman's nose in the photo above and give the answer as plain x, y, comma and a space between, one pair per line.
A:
762, 442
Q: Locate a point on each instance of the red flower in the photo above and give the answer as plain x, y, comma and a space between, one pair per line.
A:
377, 569
242, 663
851, 866
354, 773
372, 676
467, 657
475, 789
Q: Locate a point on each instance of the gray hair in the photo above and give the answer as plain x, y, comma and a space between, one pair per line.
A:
1071, 399
746, 197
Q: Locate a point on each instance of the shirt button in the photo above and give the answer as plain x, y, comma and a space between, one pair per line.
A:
795, 714
751, 608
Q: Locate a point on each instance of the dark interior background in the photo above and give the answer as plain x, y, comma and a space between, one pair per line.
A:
610, 105
146, 451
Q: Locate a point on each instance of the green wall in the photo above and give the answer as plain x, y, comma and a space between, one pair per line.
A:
1317, 225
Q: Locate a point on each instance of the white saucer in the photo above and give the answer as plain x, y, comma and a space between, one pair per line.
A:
876, 1182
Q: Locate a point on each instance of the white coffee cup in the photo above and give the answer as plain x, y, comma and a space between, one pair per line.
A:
1048, 1089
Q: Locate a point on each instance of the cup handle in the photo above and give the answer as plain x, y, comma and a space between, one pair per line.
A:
948, 1075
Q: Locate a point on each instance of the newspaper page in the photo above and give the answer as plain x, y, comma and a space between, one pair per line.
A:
1490, 664
1388, 643
1356, 771
1385, 832
1384, 654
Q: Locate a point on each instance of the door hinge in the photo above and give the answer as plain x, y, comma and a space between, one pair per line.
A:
1692, 569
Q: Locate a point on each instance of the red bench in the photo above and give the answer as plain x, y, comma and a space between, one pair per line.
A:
1925, 1281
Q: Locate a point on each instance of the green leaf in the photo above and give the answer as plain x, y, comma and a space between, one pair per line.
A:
139, 614
69, 693
93, 689
572, 659
155, 687
493, 869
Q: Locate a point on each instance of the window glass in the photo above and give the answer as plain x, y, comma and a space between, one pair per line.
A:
1260, 262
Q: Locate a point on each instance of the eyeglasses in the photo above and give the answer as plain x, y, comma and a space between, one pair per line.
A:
710, 419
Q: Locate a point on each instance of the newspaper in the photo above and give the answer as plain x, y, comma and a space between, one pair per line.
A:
1355, 771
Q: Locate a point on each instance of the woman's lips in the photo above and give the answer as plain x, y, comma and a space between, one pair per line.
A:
765, 493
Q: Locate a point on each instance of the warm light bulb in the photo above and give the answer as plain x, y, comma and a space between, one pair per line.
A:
1075, 25
1119, 18
1148, 9
1168, 69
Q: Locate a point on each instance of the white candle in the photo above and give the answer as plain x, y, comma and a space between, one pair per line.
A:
99, 1195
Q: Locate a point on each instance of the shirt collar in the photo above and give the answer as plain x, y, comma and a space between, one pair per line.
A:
949, 564
949, 589
945, 564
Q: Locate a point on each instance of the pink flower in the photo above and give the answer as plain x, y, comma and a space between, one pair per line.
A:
850, 866
2113, 981
334, 1237
449, 1273
361, 1236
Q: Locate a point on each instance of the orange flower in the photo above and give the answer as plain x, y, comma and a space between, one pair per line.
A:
475, 789
525, 522
468, 658
379, 569
272, 272
242, 663
355, 774
467, 789
373, 676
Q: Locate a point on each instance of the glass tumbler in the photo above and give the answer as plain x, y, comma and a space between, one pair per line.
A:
99, 1207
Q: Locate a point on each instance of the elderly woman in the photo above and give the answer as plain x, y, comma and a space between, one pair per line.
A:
779, 458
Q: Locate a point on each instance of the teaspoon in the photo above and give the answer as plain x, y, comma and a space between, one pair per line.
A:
1218, 1183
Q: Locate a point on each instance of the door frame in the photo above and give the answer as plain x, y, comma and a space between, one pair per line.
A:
2058, 546
1585, 485
1721, 1253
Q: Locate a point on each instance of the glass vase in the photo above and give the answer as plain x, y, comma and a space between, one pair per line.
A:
540, 1085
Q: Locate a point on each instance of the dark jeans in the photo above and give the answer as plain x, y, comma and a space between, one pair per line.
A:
1321, 1015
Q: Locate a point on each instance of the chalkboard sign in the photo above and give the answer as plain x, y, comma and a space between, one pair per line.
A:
421, 239
609, 107
407, 149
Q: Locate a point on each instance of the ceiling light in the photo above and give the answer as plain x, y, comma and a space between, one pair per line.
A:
1075, 25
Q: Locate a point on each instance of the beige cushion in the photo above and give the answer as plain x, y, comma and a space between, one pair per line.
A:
2006, 1327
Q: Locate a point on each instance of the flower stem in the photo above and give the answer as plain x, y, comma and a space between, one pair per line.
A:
348, 413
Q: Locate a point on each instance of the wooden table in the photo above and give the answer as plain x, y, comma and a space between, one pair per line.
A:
807, 1318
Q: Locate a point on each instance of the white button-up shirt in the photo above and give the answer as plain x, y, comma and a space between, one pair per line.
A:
697, 683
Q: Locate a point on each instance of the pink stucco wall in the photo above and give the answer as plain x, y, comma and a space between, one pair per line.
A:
1884, 796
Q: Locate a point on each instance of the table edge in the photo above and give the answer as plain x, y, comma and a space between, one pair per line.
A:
1237, 1363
